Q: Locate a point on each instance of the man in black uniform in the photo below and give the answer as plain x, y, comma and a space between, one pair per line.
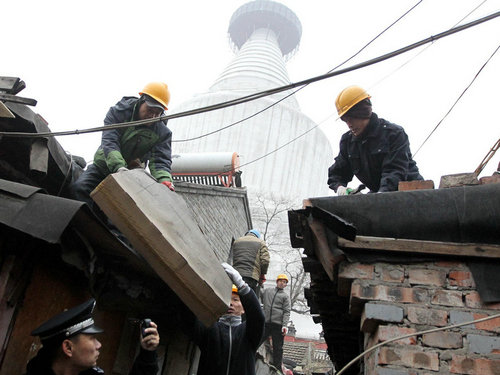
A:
374, 150
70, 346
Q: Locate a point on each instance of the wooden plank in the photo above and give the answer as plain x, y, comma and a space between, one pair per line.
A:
422, 247
159, 225
8, 84
5, 112
322, 249
17, 99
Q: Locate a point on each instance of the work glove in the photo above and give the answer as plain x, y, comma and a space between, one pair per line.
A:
284, 331
122, 169
234, 276
342, 190
169, 184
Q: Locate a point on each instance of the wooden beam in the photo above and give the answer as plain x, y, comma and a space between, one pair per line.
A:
160, 227
17, 99
422, 247
322, 249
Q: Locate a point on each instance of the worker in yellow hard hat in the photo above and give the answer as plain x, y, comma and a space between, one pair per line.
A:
137, 146
277, 306
374, 150
229, 345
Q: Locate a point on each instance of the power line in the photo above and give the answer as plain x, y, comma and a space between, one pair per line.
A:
294, 92
458, 99
265, 93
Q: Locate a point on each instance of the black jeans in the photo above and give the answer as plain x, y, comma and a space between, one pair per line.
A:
253, 284
274, 330
88, 181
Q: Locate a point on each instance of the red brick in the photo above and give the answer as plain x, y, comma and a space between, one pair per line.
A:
392, 273
431, 317
492, 325
385, 333
362, 292
356, 271
443, 340
474, 366
409, 358
448, 298
461, 278
473, 300
426, 277
495, 179
415, 185
352, 271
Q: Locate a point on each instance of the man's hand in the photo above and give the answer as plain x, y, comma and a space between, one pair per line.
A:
151, 338
262, 279
284, 331
342, 190
169, 184
122, 169
234, 276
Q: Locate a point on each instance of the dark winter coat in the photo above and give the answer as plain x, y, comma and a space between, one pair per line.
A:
150, 143
145, 364
241, 339
250, 256
380, 157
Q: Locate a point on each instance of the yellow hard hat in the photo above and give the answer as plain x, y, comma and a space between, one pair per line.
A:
282, 276
234, 289
349, 97
158, 91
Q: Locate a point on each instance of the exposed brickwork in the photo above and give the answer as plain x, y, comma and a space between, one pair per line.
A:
426, 277
396, 299
351, 271
409, 358
427, 316
473, 300
391, 273
385, 333
495, 179
462, 279
474, 366
443, 340
448, 298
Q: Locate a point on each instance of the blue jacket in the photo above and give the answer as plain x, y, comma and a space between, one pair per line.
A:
150, 143
380, 157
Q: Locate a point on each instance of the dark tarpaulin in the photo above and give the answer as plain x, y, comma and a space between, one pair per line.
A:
469, 214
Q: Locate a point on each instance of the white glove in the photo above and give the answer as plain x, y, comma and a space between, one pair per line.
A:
122, 169
234, 276
342, 190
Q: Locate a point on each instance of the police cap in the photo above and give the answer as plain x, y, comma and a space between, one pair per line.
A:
69, 323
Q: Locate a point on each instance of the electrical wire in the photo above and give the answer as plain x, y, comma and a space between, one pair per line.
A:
410, 335
458, 99
300, 88
265, 93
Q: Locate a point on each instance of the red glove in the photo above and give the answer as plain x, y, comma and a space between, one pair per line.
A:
169, 184
284, 331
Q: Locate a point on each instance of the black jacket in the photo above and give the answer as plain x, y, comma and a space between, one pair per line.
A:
242, 340
380, 157
145, 364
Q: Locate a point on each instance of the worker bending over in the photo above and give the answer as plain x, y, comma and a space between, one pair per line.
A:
374, 150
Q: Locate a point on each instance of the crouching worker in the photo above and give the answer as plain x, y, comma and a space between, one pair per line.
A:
228, 347
70, 346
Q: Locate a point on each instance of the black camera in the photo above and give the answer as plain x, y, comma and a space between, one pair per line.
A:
145, 323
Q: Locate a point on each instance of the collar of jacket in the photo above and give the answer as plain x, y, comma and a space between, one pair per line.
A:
372, 129
230, 320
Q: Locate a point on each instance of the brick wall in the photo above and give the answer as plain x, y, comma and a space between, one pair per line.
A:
395, 300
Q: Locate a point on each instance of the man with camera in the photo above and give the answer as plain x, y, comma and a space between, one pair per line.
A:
70, 345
